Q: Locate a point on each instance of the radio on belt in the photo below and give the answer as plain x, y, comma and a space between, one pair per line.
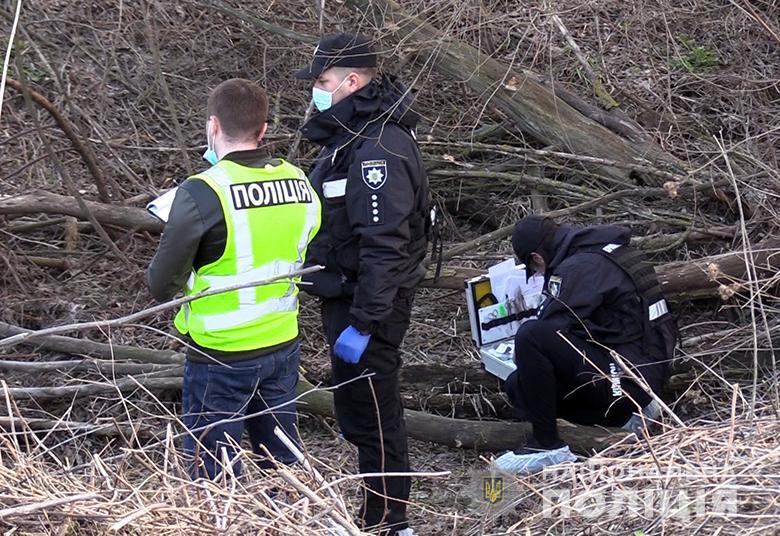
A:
498, 303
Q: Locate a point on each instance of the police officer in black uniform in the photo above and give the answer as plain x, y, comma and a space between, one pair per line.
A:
374, 190
601, 295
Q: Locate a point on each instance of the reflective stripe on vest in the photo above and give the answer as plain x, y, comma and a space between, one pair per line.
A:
244, 263
242, 317
267, 271
248, 312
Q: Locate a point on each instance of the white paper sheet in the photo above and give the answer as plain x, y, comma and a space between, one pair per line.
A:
161, 206
504, 281
509, 282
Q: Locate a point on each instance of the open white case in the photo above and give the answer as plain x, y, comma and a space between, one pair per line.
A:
498, 303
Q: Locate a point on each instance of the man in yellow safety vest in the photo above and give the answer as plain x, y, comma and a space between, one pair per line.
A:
245, 219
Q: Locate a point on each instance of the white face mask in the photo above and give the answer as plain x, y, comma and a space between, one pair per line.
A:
324, 99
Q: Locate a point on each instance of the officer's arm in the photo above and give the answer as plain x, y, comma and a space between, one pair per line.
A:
172, 264
582, 285
380, 199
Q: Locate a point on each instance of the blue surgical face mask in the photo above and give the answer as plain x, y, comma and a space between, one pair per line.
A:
210, 156
324, 99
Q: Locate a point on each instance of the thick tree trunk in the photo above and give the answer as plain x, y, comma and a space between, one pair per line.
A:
519, 94
479, 435
49, 203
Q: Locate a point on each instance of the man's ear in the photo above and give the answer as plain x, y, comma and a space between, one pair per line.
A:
217, 128
262, 132
355, 82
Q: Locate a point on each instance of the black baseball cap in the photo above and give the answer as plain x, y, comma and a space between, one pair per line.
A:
529, 234
340, 50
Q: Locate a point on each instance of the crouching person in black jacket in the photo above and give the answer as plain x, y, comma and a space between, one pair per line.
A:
601, 297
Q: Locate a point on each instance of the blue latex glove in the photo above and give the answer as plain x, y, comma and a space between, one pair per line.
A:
350, 345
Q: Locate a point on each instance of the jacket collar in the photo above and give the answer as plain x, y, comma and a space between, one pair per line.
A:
383, 99
256, 158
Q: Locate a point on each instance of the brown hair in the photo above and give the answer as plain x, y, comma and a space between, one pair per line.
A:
241, 107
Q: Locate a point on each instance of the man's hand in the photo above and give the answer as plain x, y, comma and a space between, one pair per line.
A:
350, 345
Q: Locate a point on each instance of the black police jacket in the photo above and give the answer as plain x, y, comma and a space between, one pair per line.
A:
375, 201
590, 296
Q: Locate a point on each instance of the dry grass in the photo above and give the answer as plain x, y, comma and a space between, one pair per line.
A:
147, 491
708, 478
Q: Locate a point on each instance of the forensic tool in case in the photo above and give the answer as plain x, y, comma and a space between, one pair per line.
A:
498, 303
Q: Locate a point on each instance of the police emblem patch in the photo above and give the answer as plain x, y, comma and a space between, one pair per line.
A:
554, 286
374, 173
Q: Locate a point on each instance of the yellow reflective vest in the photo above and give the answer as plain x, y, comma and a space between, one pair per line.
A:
271, 215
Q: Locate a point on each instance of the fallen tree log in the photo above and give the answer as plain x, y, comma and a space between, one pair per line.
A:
479, 435
462, 392
125, 385
694, 278
71, 345
50, 203
88, 365
710, 272
458, 433
520, 94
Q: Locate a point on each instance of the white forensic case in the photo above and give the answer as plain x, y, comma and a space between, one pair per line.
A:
499, 358
496, 304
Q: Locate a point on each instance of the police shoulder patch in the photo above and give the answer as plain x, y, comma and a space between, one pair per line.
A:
374, 173
554, 285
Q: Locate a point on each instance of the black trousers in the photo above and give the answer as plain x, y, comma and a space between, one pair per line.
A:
369, 411
553, 379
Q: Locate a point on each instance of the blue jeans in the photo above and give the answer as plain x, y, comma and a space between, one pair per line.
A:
216, 398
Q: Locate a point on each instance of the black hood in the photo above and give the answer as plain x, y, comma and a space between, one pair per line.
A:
569, 240
381, 100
